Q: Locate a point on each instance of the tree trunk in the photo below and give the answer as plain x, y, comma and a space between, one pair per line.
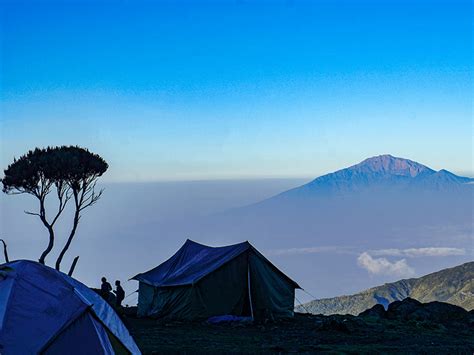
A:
5, 252
69, 240
50, 231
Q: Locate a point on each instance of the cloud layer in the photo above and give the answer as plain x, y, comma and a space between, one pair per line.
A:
382, 266
418, 252
375, 261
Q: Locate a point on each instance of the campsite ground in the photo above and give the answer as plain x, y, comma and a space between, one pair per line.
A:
304, 334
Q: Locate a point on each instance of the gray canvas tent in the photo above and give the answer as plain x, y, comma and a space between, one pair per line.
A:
201, 281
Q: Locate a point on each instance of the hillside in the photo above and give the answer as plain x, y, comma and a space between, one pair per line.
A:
454, 285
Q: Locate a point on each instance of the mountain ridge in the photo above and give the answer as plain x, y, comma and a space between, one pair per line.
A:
380, 171
453, 285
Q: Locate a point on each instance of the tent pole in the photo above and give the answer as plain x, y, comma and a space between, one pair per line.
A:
250, 293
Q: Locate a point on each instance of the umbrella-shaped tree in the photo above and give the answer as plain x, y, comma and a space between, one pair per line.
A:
70, 171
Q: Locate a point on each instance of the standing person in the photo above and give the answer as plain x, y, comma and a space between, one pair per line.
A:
105, 289
119, 294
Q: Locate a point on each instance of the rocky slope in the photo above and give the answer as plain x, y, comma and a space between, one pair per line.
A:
454, 285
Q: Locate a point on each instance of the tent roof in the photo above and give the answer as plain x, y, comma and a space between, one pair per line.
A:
193, 261
39, 302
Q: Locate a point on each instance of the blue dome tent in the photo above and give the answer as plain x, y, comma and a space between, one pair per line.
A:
45, 311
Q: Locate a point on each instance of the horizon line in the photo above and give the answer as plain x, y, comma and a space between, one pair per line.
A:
239, 178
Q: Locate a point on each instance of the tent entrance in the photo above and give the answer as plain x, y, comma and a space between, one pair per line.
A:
246, 309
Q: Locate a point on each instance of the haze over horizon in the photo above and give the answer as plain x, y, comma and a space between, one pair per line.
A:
331, 246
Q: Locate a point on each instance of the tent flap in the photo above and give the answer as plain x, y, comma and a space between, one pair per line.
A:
272, 295
93, 339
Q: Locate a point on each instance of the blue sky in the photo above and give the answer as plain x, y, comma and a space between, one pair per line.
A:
238, 89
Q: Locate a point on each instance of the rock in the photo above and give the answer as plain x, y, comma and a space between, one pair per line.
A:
345, 325
403, 309
433, 312
377, 311
446, 313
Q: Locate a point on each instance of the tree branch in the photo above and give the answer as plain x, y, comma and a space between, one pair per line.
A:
84, 196
63, 196
49, 227
32, 213
91, 200
5, 252
73, 266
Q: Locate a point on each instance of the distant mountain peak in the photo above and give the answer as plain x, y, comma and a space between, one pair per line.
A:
390, 165
384, 171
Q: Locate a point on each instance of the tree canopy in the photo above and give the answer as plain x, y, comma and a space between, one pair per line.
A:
39, 169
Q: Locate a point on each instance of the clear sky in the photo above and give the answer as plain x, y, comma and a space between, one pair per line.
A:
237, 89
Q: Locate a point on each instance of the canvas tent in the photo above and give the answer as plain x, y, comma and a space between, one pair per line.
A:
201, 281
43, 311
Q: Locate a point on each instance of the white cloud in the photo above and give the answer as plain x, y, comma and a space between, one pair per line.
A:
382, 266
419, 252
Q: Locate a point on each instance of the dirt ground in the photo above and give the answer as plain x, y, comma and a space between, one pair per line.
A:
303, 334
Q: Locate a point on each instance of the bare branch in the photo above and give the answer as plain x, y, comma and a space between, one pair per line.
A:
82, 180
64, 196
32, 213
73, 266
92, 200
85, 197
5, 252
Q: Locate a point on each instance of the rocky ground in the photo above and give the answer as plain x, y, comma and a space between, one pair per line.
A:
406, 327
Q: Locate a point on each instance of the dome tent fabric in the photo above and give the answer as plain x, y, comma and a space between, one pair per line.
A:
201, 281
45, 311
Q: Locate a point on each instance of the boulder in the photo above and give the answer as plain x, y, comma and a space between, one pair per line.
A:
377, 311
433, 312
441, 312
403, 309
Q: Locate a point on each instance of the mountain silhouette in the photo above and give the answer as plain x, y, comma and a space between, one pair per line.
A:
325, 224
383, 171
361, 203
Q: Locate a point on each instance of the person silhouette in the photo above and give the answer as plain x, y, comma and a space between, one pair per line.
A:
119, 294
105, 289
